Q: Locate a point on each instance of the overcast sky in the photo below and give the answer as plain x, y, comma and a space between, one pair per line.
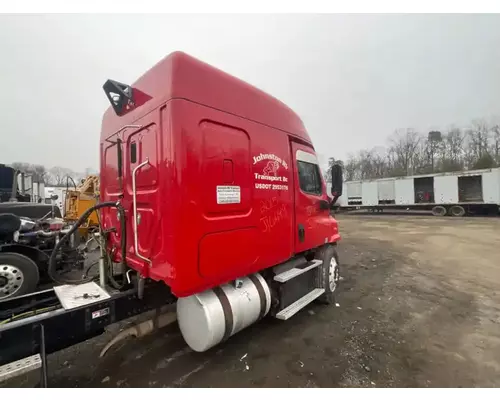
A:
353, 79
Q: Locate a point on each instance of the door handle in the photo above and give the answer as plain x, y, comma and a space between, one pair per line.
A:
302, 233
134, 198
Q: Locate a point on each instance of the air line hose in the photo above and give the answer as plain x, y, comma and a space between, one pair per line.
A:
53, 274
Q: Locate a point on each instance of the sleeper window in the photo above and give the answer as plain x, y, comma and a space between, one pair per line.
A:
309, 178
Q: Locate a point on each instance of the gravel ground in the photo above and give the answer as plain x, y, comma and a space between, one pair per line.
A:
419, 307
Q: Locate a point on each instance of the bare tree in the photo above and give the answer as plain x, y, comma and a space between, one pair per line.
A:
327, 174
379, 163
404, 144
59, 175
496, 144
38, 172
423, 157
20, 166
408, 152
477, 154
453, 155
351, 168
433, 147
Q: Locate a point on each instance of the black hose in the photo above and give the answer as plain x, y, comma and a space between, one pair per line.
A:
89, 268
112, 281
67, 182
123, 243
67, 188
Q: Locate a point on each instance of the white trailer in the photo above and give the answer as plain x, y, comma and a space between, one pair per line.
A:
61, 197
451, 193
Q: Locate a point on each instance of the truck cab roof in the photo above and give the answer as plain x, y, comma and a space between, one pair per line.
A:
180, 76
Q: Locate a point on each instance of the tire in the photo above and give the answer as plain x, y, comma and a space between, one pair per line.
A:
329, 274
18, 275
439, 211
457, 211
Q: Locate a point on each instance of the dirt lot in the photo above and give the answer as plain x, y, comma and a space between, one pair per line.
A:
419, 306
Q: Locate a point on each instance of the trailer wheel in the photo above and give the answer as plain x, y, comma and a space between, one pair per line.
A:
439, 211
329, 274
18, 275
457, 211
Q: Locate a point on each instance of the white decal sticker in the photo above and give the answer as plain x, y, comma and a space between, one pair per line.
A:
270, 173
228, 195
100, 313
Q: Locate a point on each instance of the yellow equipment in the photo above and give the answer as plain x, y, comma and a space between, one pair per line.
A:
80, 200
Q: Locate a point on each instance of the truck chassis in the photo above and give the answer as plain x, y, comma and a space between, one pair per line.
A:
37, 324
438, 210
27, 341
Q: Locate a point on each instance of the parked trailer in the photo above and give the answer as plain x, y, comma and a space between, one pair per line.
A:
453, 193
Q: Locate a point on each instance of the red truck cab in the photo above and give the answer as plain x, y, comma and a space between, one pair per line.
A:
212, 198
224, 177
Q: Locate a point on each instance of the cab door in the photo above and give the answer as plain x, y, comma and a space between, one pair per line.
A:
143, 189
313, 222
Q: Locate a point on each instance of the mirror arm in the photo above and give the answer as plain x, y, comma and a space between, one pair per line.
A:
335, 198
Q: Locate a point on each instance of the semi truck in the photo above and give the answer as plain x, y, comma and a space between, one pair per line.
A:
29, 230
17, 186
211, 198
443, 194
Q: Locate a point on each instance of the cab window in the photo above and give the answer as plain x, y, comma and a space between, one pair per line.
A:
309, 178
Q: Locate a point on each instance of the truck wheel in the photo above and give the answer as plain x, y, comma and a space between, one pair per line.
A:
439, 211
329, 274
457, 211
18, 275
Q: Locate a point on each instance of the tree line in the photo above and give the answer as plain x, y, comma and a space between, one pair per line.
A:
409, 152
55, 176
